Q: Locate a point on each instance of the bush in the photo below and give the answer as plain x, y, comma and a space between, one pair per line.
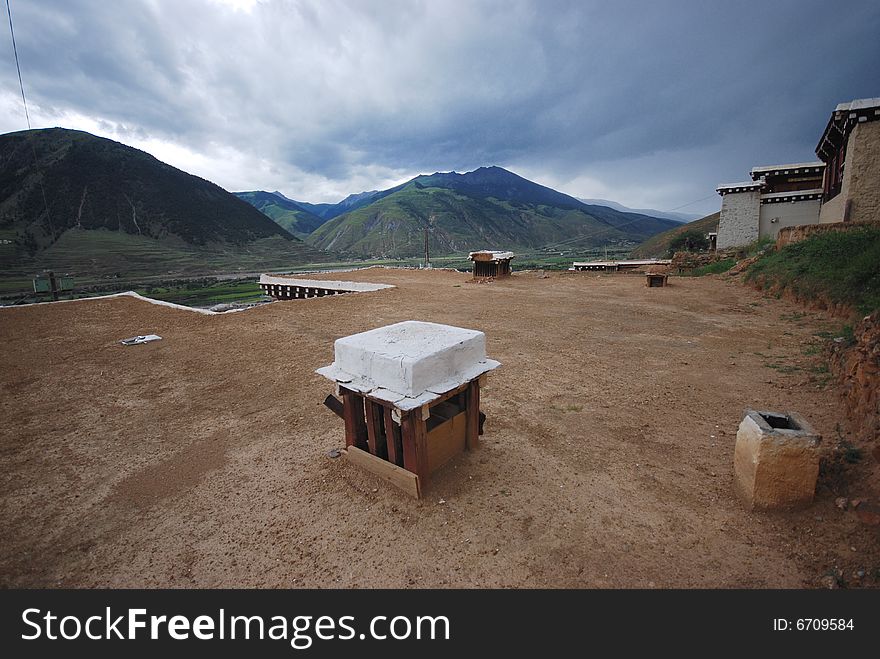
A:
689, 241
711, 269
842, 267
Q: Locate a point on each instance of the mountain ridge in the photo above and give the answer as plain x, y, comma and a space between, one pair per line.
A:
489, 206
287, 213
668, 215
118, 203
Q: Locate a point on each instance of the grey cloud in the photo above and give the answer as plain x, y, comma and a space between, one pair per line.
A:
563, 88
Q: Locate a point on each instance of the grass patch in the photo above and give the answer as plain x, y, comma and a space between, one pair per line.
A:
712, 269
760, 245
842, 267
206, 293
812, 349
784, 368
567, 408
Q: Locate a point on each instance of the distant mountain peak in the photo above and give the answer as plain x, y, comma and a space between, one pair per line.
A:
358, 196
487, 205
669, 215
277, 193
89, 205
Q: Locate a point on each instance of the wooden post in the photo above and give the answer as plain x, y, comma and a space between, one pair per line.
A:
374, 434
392, 437
415, 446
353, 416
472, 414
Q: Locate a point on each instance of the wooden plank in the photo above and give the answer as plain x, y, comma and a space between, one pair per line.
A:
391, 473
353, 416
333, 404
446, 441
442, 412
472, 430
415, 446
392, 438
374, 433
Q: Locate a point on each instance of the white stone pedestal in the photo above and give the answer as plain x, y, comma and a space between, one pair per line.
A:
776, 460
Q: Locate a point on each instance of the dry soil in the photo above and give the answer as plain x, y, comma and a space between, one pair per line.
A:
201, 460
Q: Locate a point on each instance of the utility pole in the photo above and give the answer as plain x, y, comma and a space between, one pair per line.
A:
53, 284
427, 255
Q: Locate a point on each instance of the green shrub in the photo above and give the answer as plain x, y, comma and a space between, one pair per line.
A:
689, 241
712, 269
842, 267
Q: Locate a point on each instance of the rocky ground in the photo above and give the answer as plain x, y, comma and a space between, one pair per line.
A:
201, 460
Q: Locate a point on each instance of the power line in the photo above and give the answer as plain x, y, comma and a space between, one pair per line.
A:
17, 66
689, 203
28, 119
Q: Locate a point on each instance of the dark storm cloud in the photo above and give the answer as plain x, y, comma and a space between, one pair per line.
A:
668, 98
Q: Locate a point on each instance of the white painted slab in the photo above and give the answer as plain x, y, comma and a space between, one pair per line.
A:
136, 296
411, 363
328, 284
494, 254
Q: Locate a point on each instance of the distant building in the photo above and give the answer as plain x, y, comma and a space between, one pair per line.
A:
777, 196
850, 148
844, 185
491, 263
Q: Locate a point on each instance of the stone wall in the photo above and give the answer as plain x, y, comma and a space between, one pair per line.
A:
739, 221
864, 172
789, 235
857, 368
860, 175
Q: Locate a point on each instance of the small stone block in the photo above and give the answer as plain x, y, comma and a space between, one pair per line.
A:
776, 460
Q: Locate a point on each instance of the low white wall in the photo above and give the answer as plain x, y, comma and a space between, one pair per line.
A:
787, 214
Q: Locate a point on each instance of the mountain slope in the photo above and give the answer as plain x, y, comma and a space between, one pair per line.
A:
287, 214
658, 246
489, 207
55, 182
329, 211
668, 215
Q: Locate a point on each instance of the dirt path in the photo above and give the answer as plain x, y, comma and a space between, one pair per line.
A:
200, 460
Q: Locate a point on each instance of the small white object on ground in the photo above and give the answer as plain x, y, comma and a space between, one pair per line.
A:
141, 338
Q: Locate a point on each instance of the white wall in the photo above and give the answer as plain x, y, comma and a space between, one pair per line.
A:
787, 214
739, 220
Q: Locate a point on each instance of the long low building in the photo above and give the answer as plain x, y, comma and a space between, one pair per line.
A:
288, 288
610, 266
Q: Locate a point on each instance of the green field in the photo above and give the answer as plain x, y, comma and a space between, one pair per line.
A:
206, 292
187, 283
114, 260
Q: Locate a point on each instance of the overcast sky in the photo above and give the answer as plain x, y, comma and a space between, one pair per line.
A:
650, 104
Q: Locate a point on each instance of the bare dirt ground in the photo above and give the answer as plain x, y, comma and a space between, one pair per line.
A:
200, 460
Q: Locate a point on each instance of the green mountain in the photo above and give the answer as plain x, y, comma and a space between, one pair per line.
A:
329, 211
287, 214
78, 203
658, 246
487, 208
